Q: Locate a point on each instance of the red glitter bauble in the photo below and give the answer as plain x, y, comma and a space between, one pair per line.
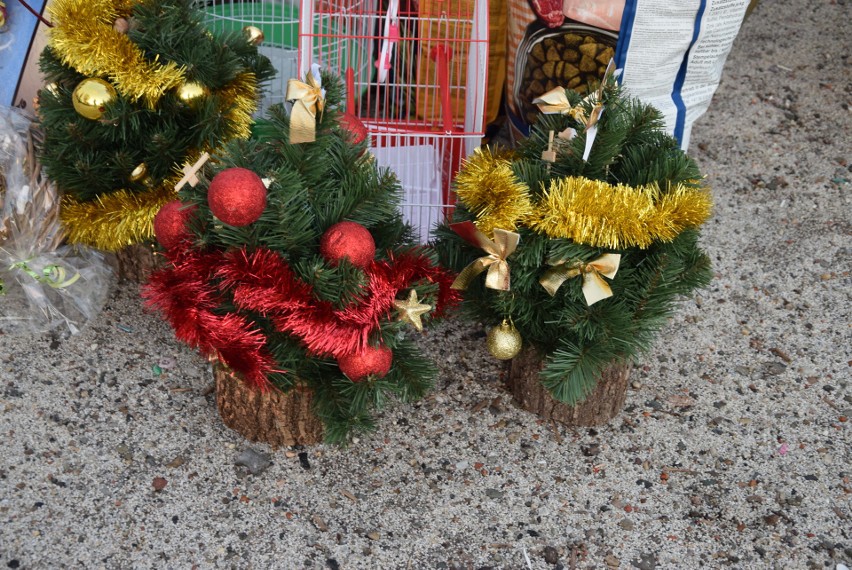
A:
237, 196
170, 223
356, 129
348, 239
373, 361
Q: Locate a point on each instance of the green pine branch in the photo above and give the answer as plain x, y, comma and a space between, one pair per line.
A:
571, 371
340, 284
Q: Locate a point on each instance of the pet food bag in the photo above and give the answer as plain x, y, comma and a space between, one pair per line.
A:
671, 53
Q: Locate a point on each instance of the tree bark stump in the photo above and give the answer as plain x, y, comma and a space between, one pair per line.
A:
273, 417
135, 262
601, 405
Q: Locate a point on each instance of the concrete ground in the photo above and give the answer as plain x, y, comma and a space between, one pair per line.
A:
733, 450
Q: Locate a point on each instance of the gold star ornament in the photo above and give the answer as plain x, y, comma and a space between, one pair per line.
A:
411, 309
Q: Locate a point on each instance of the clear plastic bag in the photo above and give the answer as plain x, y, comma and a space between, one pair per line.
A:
43, 285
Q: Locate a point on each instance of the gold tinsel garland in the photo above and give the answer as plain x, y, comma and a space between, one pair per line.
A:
599, 214
116, 220
84, 38
490, 190
239, 102
590, 212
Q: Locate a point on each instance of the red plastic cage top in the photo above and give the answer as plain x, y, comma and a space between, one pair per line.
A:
416, 77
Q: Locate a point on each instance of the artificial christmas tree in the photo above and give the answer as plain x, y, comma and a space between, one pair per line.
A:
134, 90
310, 308
589, 231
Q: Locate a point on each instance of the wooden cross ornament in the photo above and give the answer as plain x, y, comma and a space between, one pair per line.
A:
190, 172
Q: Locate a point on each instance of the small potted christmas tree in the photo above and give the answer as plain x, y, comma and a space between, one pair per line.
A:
135, 90
290, 266
576, 246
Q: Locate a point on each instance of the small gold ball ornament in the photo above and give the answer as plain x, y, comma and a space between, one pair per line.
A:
91, 97
191, 91
253, 34
504, 341
139, 172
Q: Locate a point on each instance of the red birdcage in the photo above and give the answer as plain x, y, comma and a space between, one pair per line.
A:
416, 77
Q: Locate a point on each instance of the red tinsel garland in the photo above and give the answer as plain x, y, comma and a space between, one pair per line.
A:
184, 295
187, 295
261, 281
182, 292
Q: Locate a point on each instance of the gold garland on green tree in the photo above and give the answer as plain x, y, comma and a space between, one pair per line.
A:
116, 220
599, 214
489, 188
239, 101
84, 38
591, 212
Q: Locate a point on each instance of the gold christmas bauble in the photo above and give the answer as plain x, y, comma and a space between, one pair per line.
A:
504, 341
139, 172
191, 91
253, 34
91, 97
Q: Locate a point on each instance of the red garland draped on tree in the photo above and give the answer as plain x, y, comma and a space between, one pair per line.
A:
185, 296
261, 281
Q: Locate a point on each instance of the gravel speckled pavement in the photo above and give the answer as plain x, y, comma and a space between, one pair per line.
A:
733, 450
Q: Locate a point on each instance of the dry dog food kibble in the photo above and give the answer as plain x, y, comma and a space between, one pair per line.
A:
560, 58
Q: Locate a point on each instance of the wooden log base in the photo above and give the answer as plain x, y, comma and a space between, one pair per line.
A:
135, 262
273, 417
603, 403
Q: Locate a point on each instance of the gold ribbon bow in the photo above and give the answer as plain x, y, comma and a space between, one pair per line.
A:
556, 102
594, 287
498, 249
307, 100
